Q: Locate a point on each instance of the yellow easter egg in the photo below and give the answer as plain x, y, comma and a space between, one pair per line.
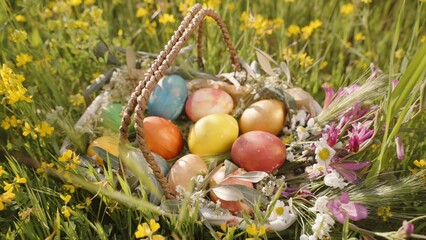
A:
107, 143
213, 134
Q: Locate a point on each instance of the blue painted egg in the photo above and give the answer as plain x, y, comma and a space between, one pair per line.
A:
168, 98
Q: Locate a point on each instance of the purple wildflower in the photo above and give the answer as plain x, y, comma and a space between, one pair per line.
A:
329, 94
347, 170
358, 136
408, 228
342, 208
394, 83
333, 134
400, 153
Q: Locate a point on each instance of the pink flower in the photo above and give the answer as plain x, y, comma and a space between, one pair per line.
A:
358, 136
354, 113
400, 153
333, 134
394, 83
342, 208
347, 170
329, 94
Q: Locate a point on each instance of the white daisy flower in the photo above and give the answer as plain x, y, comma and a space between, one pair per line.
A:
333, 179
323, 152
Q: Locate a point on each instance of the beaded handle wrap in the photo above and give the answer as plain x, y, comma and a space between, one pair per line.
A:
139, 98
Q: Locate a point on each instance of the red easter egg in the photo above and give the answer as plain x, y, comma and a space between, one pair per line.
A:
258, 151
162, 137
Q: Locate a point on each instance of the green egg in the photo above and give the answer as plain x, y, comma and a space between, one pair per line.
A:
111, 118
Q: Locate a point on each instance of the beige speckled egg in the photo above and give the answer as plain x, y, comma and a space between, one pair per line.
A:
184, 169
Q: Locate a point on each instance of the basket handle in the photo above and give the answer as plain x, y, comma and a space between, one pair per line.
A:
140, 95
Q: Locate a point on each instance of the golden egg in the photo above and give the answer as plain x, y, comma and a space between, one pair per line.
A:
266, 115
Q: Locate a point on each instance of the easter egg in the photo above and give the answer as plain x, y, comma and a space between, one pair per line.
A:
136, 163
207, 101
107, 143
111, 116
168, 98
219, 179
135, 155
184, 169
258, 151
213, 134
162, 137
265, 115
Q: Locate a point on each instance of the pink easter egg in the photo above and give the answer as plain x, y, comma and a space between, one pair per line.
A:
206, 101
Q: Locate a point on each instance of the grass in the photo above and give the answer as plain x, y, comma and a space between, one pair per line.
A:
62, 39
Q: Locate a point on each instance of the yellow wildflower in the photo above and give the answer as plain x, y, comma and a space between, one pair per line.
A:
66, 198
89, 2
23, 59
43, 167
75, 3
16, 95
384, 212
423, 39
20, 18
347, 9
253, 231
166, 18
69, 188
141, 12
305, 60
359, 37
420, 163
2, 171
185, 6
5, 124
66, 156
315, 24
309, 29
28, 131
44, 129
20, 180
150, 27
6, 197
323, 64
292, 30
88, 201
66, 211
18, 36
399, 53
145, 230
212, 4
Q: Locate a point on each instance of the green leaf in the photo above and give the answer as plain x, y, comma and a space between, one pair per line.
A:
253, 176
228, 193
230, 167
264, 61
